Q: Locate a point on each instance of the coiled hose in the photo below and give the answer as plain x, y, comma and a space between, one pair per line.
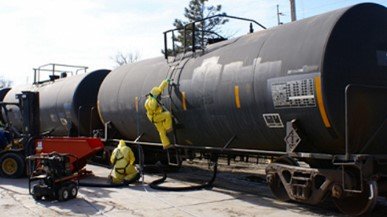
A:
156, 184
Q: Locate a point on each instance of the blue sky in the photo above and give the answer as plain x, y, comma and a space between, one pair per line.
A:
90, 32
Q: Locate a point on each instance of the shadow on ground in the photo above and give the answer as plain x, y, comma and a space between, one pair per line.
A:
247, 186
252, 187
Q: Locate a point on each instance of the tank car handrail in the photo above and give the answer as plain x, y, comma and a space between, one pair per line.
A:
64, 65
54, 70
218, 15
192, 26
304, 155
220, 149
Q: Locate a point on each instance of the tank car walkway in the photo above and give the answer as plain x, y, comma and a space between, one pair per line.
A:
236, 194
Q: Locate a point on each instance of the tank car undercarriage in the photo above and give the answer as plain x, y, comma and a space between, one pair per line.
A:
354, 181
353, 184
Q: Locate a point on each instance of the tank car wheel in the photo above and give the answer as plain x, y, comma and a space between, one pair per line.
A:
275, 183
358, 204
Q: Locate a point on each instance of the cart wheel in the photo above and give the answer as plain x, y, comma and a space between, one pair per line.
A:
73, 188
63, 194
12, 165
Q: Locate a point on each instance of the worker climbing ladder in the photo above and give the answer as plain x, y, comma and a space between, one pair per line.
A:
174, 72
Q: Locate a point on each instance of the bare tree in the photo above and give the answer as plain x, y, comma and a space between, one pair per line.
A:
5, 82
197, 10
122, 59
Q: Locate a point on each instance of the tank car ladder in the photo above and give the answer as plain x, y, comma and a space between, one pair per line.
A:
175, 68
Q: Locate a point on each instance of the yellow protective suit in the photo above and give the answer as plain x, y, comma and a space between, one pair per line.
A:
123, 160
155, 113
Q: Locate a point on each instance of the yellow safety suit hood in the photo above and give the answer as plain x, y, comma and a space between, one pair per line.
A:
123, 160
155, 91
121, 144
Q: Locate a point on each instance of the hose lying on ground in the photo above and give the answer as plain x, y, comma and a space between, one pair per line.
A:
109, 185
156, 184
102, 185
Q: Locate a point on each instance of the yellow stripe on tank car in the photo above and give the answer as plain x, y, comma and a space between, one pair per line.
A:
99, 112
236, 95
183, 101
320, 102
136, 103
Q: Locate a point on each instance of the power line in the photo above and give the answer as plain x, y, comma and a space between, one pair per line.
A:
278, 16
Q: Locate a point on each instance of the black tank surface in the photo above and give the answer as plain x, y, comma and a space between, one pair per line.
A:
14, 113
67, 104
249, 87
3, 92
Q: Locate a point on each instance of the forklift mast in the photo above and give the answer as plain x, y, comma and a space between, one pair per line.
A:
12, 159
29, 108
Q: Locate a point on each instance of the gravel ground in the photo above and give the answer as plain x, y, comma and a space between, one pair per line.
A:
239, 190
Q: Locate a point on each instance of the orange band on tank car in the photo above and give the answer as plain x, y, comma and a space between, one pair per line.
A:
320, 102
237, 99
183, 101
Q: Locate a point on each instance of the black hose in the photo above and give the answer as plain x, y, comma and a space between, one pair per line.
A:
156, 184
102, 185
110, 185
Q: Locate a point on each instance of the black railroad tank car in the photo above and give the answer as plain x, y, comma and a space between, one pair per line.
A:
314, 90
3, 92
68, 106
250, 86
327, 72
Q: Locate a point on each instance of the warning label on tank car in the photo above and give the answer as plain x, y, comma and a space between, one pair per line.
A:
294, 94
273, 120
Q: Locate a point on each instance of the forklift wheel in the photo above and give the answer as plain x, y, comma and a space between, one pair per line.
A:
12, 165
63, 194
73, 190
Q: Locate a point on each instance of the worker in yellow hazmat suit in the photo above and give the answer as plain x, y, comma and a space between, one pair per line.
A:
123, 159
156, 114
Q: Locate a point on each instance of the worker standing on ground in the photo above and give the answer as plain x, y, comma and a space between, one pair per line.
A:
123, 160
156, 114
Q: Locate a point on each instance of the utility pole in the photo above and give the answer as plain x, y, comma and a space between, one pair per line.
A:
293, 10
278, 16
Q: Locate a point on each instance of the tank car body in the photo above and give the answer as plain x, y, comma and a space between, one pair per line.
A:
313, 90
3, 92
250, 86
67, 105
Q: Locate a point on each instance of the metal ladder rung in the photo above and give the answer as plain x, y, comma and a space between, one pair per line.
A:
299, 185
177, 158
298, 178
